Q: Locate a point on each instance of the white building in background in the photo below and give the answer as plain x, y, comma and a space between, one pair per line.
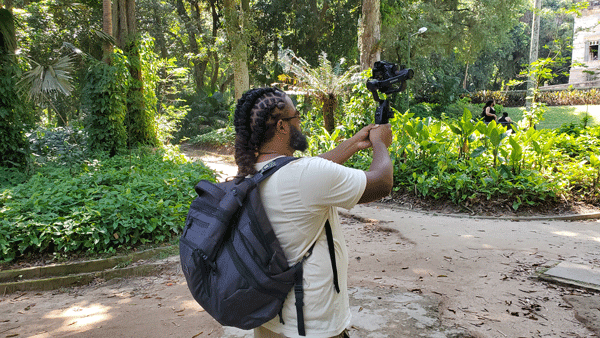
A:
585, 47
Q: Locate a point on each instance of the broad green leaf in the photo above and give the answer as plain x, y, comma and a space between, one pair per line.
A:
477, 152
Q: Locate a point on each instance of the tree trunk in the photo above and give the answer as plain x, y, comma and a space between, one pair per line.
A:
161, 42
120, 29
234, 23
214, 78
370, 28
131, 21
194, 49
329, 106
107, 28
202, 63
466, 75
139, 121
534, 50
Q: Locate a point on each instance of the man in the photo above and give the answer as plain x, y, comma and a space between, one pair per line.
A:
301, 197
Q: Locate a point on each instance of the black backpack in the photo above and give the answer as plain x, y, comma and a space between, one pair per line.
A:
234, 265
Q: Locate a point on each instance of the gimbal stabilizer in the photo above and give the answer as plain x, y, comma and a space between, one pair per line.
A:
387, 79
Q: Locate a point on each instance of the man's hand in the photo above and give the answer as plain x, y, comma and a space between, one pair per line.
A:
381, 133
361, 139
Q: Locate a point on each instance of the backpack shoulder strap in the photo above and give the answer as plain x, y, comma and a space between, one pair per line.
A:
329, 233
270, 168
298, 287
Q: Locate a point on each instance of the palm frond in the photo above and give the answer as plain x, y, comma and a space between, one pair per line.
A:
72, 48
48, 81
105, 37
326, 79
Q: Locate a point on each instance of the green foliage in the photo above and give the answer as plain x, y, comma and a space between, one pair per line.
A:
218, 137
10, 177
524, 168
506, 98
456, 109
141, 97
105, 205
13, 146
533, 116
464, 129
570, 97
164, 82
595, 162
326, 83
441, 87
495, 133
62, 145
45, 82
425, 109
105, 104
8, 41
470, 163
305, 28
205, 114
567, 97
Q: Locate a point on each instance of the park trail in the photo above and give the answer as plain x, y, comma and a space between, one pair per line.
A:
411, 274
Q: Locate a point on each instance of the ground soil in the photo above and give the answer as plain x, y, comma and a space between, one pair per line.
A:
482, 272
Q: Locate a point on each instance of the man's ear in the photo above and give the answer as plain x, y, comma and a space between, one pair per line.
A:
280, 127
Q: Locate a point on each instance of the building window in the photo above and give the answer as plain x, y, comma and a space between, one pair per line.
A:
593, 50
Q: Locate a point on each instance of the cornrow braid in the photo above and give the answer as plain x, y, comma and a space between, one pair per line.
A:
254, 120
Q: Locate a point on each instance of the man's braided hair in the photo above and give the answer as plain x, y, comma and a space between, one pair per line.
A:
254, 120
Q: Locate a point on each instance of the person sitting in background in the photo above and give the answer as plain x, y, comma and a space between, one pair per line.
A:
505, 121
489, 113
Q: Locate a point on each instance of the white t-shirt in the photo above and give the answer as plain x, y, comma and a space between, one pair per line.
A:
298, 199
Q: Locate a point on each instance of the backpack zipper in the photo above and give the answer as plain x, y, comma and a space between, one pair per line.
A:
256, 229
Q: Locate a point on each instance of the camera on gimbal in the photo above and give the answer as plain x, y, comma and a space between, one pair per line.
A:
387, 78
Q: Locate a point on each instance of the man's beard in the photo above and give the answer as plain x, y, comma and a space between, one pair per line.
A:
298, 140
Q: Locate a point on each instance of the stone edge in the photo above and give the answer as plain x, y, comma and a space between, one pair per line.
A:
572, 217
67, 275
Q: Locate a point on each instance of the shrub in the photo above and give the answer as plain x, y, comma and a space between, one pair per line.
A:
206, 113
424, 110
517, 98
64, 145
217, 137
470, 163
102, 206
506, 98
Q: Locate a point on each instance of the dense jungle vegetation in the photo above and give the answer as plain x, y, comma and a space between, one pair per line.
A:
95, 98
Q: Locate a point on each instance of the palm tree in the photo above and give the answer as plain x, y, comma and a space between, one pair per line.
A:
325, 82
43, 83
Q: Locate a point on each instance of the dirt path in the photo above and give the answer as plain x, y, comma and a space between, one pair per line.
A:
411, 274
484, 270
